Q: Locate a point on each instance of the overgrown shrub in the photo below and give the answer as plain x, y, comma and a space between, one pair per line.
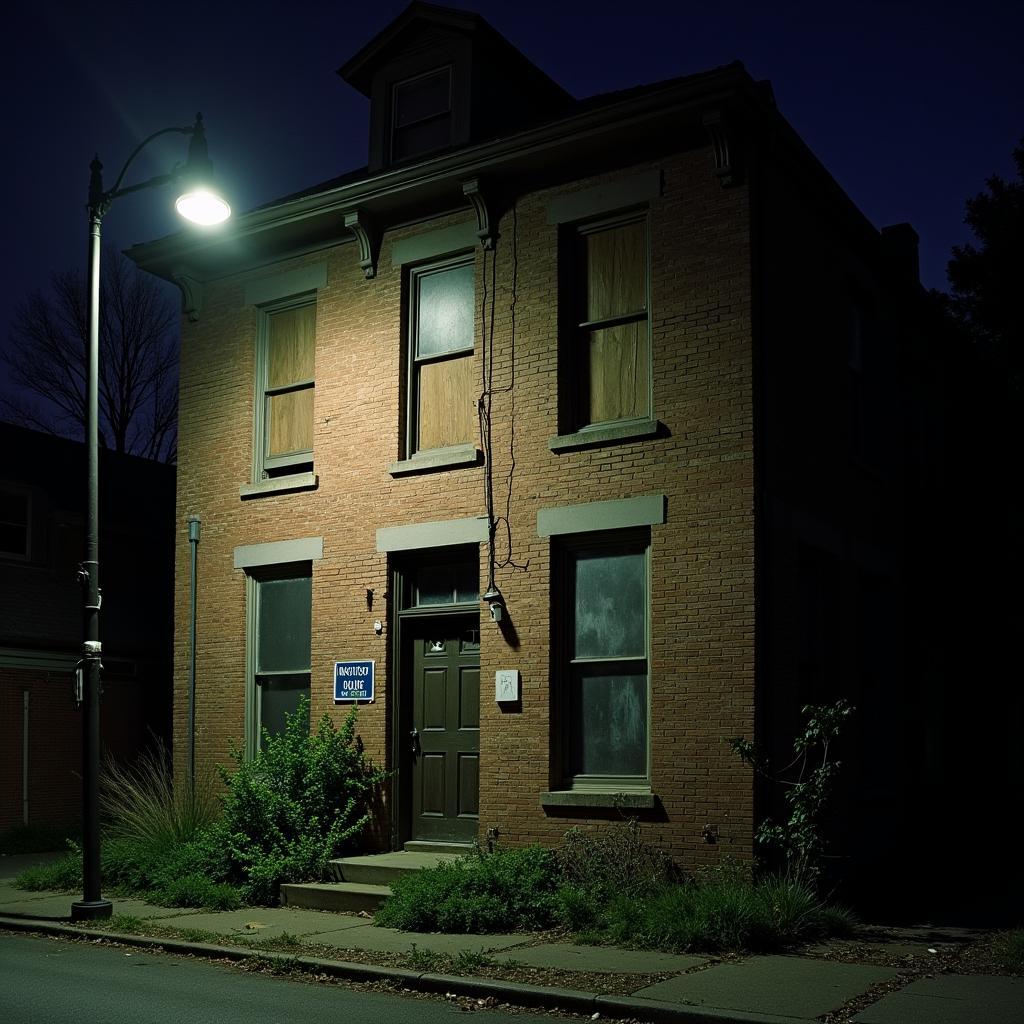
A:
613, 859
807, 782
509, 890
299, 802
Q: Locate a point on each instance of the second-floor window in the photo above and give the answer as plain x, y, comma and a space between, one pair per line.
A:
14, 523
442, 382
609, 356
284, 429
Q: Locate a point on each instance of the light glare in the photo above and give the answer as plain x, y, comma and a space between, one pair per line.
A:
203, 207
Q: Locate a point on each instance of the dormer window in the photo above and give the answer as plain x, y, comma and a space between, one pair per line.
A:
421, 114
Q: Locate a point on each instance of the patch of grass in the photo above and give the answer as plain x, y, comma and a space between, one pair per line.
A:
424, 959
128, 924
715, 915
469, 960
35, 839
511, 890
1009, 950
64, 875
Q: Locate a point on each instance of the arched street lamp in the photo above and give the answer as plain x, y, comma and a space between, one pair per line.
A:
199, 203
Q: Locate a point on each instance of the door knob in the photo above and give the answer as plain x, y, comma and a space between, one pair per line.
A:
415, 737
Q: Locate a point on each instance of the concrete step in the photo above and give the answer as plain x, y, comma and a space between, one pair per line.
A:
337, 896
383, 868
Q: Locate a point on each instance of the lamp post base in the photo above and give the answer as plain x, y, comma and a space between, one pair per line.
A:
91, 910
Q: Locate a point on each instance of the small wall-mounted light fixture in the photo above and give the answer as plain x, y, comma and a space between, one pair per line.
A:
378, 627
494, 603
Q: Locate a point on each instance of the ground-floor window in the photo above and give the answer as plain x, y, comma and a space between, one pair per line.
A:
601, 605
280, 623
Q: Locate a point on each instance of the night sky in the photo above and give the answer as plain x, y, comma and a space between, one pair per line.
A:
909, 105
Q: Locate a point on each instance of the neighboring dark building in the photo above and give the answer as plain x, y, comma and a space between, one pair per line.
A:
42, 503
636, 366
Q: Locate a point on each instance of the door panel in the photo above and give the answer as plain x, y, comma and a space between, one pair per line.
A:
445, 741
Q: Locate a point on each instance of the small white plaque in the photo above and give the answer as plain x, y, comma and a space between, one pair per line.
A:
506, 684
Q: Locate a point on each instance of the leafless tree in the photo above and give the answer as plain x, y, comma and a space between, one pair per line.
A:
46, 351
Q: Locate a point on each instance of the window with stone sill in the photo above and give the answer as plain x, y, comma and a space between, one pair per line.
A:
441, 411
285, 382
602, 583
606, 350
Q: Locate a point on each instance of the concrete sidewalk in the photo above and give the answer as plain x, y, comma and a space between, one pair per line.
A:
651, 986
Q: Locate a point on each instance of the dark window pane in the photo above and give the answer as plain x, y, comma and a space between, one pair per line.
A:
279, 696
285, 622
421, 98
446, 584
444, 311
610, 724
13, 507
13, 539
611, 605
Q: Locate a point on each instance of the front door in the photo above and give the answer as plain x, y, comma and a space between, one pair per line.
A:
444, 743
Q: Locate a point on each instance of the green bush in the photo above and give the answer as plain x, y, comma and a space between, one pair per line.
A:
299, 802
510, 890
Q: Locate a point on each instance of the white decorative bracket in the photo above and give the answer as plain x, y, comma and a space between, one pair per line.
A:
191, 294
362, 226
485, 231
724, 144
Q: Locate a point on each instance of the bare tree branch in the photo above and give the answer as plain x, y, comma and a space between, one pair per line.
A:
46, 354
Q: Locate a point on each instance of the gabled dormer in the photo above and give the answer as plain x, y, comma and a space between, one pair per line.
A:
439, 79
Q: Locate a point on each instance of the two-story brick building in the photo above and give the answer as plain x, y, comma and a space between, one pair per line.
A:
601, 393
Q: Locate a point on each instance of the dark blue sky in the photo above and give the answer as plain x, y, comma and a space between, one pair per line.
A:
910, 105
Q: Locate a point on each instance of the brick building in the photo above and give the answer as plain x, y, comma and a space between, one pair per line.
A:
617, 395
42, 517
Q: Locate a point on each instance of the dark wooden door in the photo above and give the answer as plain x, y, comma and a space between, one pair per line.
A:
445, 741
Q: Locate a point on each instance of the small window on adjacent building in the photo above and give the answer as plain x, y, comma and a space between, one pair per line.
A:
15, 517
280, 629
284, 428
605, 663
442, 385
609, 356
421, 113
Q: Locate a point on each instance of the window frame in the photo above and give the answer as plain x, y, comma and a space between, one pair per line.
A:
394, 128
412, 387
577, 330
19, 492
265, 466
255, 577
568, 668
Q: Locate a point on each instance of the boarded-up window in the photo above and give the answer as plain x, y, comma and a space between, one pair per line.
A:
611, 362
442, 378
288, 353
606, 692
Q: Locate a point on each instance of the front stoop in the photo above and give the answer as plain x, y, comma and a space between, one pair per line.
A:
361, 883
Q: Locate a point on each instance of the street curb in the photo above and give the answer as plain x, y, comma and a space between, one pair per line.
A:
534, 996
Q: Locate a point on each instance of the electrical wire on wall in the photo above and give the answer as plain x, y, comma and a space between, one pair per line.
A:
485, 406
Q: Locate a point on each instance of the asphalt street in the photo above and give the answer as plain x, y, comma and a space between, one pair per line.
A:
52, 981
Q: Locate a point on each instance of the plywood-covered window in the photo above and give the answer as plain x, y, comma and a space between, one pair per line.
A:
610, 362
442, 381
285, 410
604, 659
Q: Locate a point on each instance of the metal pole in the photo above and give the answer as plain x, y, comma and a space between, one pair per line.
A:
92, 906
193, 540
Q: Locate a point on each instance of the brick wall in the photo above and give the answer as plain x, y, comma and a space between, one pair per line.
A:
702, 604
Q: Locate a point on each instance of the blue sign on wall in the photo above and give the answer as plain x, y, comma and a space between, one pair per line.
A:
353, 680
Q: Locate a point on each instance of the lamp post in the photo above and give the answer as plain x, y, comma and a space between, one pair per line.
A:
200, 204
